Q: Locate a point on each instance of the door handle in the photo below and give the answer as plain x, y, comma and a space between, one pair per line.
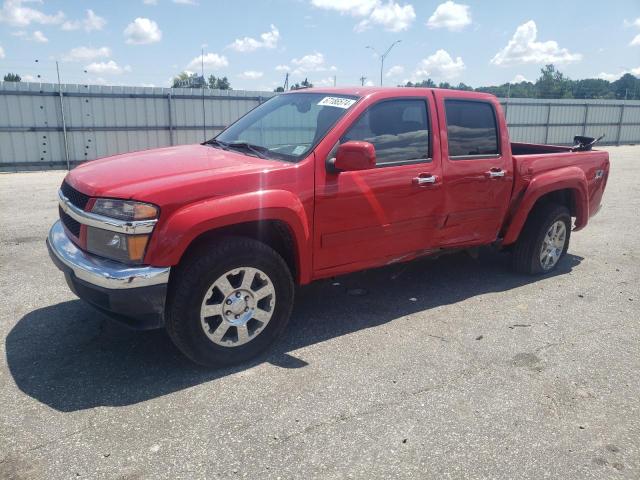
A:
425, 180
495, 173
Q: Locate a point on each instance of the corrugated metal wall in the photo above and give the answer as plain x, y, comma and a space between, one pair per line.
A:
103, 121
557, 121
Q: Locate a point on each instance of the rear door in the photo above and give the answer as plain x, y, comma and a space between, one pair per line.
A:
368, 217
477, 168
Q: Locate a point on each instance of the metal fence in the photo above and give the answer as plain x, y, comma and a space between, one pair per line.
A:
43, 126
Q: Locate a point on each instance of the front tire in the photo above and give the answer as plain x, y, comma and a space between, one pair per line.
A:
229, 301
544, 240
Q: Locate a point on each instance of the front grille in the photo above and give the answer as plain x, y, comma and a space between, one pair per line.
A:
75, 197
72, 225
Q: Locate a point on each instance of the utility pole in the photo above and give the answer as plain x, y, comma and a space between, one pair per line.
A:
383, 56
362, 80
286, 82
334, 80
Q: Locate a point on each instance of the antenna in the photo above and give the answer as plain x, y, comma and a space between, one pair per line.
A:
362, 80
204, 112
64, 124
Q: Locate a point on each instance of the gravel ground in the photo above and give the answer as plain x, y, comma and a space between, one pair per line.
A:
448, 368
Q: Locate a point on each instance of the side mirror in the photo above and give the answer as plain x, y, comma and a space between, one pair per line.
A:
355, 156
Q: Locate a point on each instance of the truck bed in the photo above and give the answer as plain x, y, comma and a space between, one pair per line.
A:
536, 149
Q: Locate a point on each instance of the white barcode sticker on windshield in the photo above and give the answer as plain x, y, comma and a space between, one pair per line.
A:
336, 102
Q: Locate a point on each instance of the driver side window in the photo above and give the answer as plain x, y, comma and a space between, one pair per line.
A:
398, 129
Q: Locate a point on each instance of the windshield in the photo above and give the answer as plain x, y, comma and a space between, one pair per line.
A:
286, 127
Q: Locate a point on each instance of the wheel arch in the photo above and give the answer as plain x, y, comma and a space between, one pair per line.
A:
567, 186
276, 218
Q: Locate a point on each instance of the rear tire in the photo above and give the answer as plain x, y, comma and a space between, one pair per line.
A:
544, 240
228, 301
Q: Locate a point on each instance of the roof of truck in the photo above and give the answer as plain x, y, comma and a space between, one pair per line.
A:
364, 91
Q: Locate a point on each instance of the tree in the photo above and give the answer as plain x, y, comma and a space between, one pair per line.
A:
279, 89
304, 84
626, 87
591, 88
12, 77
553, 84
428, 83
181, 77
220, 83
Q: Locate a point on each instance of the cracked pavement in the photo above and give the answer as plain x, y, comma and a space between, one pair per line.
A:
446, 368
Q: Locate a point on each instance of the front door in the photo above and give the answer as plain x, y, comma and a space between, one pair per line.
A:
368, 217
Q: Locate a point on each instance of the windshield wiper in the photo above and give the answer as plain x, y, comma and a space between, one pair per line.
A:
255, 149
216, 143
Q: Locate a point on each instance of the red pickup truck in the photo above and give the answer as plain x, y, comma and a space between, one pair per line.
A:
210, 240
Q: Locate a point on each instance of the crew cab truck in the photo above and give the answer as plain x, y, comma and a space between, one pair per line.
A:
211, 240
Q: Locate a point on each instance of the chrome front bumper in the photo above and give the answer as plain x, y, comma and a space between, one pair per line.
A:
133, 295
101, 271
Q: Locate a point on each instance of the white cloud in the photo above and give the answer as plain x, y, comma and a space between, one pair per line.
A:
391, 15
632, 23
309, 63
523, 48
323, 82
635, 42
282, 68
440, 65
107, 68
39, 37
248, 44
615, 76
85, 54
212, 61
358, 8
15, 14
450, 15
312, 62
28, 78
2, 54
251, 75
90, 23
369, 83
519, 78
150, 2
36, 36
142, 31
186, 2
395, 71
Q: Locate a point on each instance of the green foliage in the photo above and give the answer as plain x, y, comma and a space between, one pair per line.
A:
553, 84
12, 77
304, 84
279, 89
220, 83
194, 80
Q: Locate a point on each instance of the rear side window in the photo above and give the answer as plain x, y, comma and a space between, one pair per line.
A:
398, 129
471, 129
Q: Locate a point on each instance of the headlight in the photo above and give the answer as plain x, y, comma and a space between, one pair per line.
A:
120, 246
125, 209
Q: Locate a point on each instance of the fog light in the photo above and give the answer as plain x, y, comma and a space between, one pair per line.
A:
116, 246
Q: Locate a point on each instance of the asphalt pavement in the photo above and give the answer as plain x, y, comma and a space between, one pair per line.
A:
446, 368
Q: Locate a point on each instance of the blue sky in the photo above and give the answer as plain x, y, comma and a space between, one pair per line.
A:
146, 42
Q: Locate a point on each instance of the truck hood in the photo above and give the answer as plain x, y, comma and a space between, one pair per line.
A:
137, 174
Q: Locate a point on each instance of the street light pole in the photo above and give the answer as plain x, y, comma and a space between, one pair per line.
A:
383, 56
